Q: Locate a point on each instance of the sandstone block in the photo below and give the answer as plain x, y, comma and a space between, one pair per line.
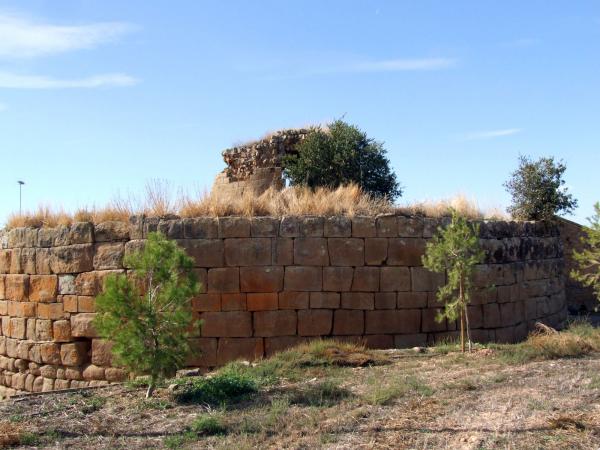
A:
410, 226
18, 327
248, 252
337, 278
5, 256
261, 279
425, 280
363, 226
346, 322
61, 330
231, 349
380, 341
491, 316
412, 300
115, 375
207, 302
47, 384
81, 233
289, 226
394, 279
346, 251
201, 228
358, 300
337, 226
376, 250
203, 352
52, 311
92, 372
74, 353
43, 330
66, 284
72, 258
311, 251
17, 287
324, 300
42, 261
61, 384
264, 226
171, 228
69, 303
50, 353
43, 288
206, 252
233, 302
293, 300
387, 226
262, 301
2, 289
366, 279
430, 323
407, 321
225, 279
234, 227
282, 250
82, 325
315, 322
111, 231
109, 256
303, 278
46, 237
275, 323
227, 324
385, 300
406, 251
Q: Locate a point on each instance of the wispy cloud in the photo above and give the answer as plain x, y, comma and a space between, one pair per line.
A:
14, 81
490, 134
23, 38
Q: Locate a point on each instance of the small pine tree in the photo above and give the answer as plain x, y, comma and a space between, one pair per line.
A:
339, 155
538, 190
455, 250
147, 315
588, 259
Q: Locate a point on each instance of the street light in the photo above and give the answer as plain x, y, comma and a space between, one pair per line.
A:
21, 183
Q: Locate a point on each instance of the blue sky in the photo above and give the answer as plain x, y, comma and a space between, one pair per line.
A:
97, 97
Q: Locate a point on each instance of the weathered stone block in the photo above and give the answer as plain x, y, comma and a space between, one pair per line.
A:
72, 258
405, 321
234, 227
50, 353
275, 323
231, 349
412, 300
101, 352
171, 228
206, 252
248, 252
380, 341
324, 300
410, 340
224, 279
227, 324
387, 225
282, 251
69, 303
61, 330
261, 279
16, 287
82, 325
233, 302
42, 261
66, 284
289, 226
43, 330
18, 327
264, 226
366, 279
81, 233
201, 228
376, 250
315, 322
262, 301
424, 280
46, 237
302, 278
385, 300
92, 372
346, 251
310, 226
363, 226
51, 311
203, 352
74, 353
43, 288
347, 322
491, 316
429, 321
207, 302
311, 252
394, 279
280, 343
337, 226
410, 226
358, 300
111, 231
337, 278
293, 300
109, 256
406, 252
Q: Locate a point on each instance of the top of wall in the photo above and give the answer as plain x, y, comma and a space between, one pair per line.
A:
138, 227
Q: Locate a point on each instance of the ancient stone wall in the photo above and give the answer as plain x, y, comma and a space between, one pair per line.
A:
257, 166
580, 298
268, 283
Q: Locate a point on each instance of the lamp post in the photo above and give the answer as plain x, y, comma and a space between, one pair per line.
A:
21, 183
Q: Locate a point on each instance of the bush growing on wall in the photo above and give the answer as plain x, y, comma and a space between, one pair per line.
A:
147, 316
455, 250
588, 260
339, 155
538, 190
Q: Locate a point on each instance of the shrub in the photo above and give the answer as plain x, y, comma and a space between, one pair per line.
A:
588, 260
455, 250
227, 386
147, 315
538, 190
339, 155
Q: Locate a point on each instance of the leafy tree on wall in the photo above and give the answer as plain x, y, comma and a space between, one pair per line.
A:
147, 315
342, 154
455, 250
538, 190
588, 259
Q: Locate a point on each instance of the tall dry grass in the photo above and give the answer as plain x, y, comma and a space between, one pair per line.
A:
160, 199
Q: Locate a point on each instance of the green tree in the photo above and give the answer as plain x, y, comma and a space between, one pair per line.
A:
588, 259
147, 315
455, 250
338, 155
538, 190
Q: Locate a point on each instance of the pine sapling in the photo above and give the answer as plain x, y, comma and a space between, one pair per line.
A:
588, 260
455, 250
146, 314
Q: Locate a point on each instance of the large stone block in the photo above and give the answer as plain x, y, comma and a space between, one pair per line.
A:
302, 278
315, 322
430, 322
346, 251
376, 250
232, 349
275, 323
406, 321
201, 228
50, 353
387, 225
43, 330
348, 322
280, 343
293, 300
261, 279
366, 279
323, 300
206, 302
224, 279
282, 251
74, 353
394, 279
358, 300
233, 302
82, 325
262, 301
43, 288
264, 226
227, 324
51, 311
248, 252
72, 258
424, 280
171, 228
337, 279
111, 231
206, 252
109, 256
5, 256
17, 287
289, 226
311, 252
406, 252
101, 352
203, 352
363, 226
385, 300
412, 300
311, 226
491, 316
61, 331
234, 227
410, 226
337, 226
410, 340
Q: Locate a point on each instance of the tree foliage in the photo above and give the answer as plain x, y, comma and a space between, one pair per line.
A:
342, 154
146, 315
455, 250
538, 190
588, 260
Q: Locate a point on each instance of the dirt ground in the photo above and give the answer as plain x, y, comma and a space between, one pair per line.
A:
417, 401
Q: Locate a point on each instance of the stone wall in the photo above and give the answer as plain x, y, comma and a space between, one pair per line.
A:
257, 166
268, 283
580, 298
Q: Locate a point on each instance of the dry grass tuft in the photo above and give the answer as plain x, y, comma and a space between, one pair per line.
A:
464, 205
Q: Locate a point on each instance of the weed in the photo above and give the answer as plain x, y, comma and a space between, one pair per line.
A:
29, 438
93, 404
208, 425
324, 393
15, 418
227, 386
177, 441
594, 382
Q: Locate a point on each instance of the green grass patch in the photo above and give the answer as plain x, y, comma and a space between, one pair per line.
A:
322, 394
385, 392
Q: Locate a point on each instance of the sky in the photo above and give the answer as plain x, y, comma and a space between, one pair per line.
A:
98, 97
